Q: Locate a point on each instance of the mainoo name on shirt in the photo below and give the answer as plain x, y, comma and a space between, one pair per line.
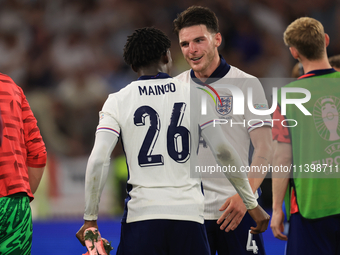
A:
157, 89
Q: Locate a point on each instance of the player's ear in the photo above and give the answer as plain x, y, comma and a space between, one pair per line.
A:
167, 62
327, 39
134, 68
294, 52
167, 57
218, 39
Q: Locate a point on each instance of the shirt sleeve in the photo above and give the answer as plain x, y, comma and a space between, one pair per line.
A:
36, 150
280, 133
108, 117
97, 171
1, 129
226, 155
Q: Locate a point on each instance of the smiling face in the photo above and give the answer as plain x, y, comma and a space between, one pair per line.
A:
199, 48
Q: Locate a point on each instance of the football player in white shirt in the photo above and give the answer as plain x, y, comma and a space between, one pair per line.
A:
199, 39
159, 127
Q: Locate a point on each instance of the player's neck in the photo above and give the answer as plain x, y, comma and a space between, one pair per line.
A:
152, 70
315, 65
149, 72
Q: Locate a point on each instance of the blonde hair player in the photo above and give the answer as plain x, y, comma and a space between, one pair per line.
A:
308, 148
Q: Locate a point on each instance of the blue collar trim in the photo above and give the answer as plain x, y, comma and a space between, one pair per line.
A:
160, 75
219, 73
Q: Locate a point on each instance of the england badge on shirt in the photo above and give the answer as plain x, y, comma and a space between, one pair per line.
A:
226, 106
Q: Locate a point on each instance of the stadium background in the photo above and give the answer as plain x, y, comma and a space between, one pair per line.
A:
67, 56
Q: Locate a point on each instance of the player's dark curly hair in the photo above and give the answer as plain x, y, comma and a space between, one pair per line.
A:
196, 15
145, 46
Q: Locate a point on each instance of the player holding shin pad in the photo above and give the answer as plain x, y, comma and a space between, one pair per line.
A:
95, 244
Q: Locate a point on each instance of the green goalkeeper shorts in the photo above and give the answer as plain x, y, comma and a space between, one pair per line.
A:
15, 225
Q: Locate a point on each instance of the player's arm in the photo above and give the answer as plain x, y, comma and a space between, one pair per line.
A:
36, 151
282, 157
96, 174
36, 156
261, 139
226, 155
34, 177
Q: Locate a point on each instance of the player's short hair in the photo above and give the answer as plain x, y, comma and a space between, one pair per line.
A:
145, 46
335, 61
196, 15
307, 36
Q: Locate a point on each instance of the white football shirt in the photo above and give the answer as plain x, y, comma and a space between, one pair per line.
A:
217, 188
152, 116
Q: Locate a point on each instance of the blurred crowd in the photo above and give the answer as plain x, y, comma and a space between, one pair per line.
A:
67, 54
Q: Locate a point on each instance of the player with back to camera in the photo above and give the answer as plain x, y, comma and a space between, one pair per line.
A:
199, 38
334, 61
313, 208
164, 207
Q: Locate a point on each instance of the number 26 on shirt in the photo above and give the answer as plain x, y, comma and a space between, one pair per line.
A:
178, 137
